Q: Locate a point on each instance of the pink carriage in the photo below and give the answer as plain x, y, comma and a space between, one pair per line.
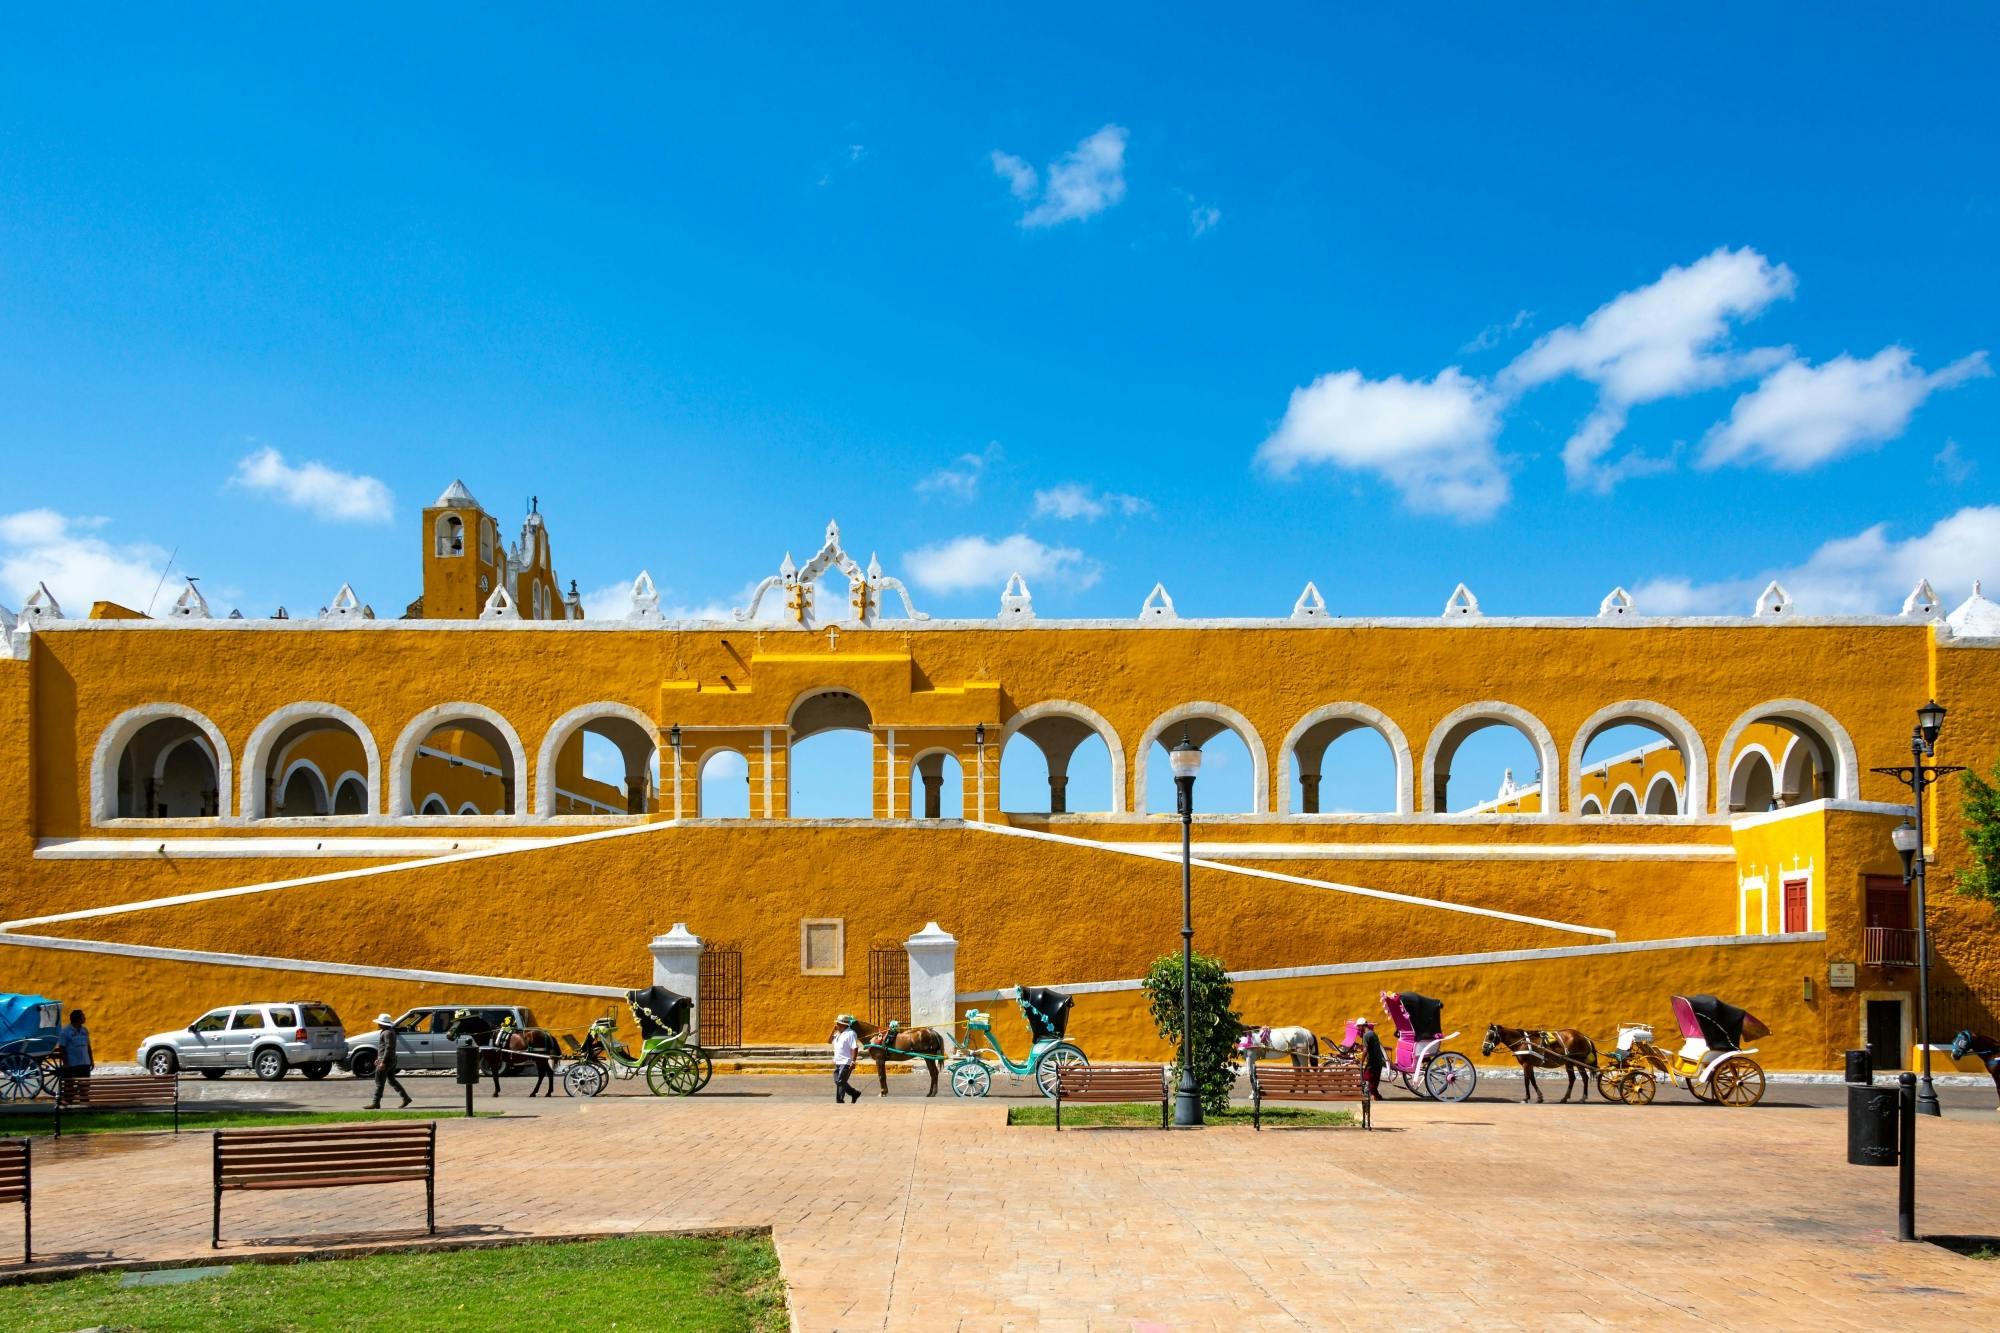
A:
1427, 1071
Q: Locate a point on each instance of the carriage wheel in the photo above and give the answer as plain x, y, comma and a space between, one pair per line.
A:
1450, 1077
1637, 1087
1700, 1088
970, 1078
1049, 1066
672, 1075
1738, 1082
20, 1078
704, 1068
1609, 1083
585, 1079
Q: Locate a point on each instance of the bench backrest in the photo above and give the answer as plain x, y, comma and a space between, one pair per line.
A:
325, 1154
13, 1170
1081, 1082
116, 1090
1324, 1081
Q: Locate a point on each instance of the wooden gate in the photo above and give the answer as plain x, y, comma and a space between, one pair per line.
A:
888, 987
721, 996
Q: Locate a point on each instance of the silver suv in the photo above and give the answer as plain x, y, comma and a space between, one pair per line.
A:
421, 1042
266, 1038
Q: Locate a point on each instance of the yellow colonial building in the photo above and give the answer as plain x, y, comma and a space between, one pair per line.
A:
495, 797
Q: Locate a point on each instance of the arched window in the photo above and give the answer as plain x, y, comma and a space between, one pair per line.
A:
831, 758
1644, 745
450, 535
463, 752
725, 785
1808, 753
169, 771
1753, 786
599, 759
302, 792
350, 796
936, 786
1591, 809
1346, 759
434, 805
1490, 758
1234, 778
1061, 758
489, 537
1663, 797
315, 739
1624, 802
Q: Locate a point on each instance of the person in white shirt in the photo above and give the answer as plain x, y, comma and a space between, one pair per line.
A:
846, 1050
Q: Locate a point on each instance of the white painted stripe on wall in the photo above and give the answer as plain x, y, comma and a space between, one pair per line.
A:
394, 849
1173, 857
1445, 851
304, 965
1441, 960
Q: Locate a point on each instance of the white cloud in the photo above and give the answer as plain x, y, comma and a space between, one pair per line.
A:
1952, 466
1433, 440
1866, 573
960, 479
1494, 334
1659, 341
970, 563
1072, 500
1080, 184
613, 601
343, 497
1804, 415
42, 546
1202, 218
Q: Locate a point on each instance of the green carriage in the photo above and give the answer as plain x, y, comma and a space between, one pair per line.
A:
670, 1057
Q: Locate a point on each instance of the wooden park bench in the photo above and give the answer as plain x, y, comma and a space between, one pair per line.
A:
1324, 1083
119, 1092
1079, 1082
327, 1156
17, 1186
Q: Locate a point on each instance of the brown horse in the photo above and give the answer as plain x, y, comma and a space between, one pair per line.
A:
510, 1050
1564, 1048
900, 1043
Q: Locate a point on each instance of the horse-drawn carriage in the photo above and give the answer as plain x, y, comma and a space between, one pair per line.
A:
30, 1064
670, 1058
1711, 1063
980, 1053
1425, 1069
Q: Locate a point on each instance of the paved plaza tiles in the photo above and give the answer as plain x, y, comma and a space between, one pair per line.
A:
914, 1214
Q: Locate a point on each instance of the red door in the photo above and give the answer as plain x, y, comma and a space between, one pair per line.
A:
1888, 902
1798, 906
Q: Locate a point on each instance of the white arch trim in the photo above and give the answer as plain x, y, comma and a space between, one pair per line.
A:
256, 797
1492, 710
1846, 763
1260, 759
403, 758
1679, 804
1090, 718
433, 799
308, 766
1591, 807
908, 790
111, 747
566, 726
468, 809
1751, 751
1375, 720
199, 741
1694, 755
1625, 789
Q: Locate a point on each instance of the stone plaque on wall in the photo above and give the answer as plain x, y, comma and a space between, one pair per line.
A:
1840, 976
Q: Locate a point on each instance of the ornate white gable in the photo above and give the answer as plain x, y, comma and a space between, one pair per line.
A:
190, 605
645, 598
40, 606
1310, 606
1016, 603
865, 587
1616, 603
1922, 603
1461, 603
346, 606
1158, 606
500, 606
1773, 601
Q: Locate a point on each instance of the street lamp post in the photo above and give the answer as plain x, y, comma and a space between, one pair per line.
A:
1186, 759
1909, 841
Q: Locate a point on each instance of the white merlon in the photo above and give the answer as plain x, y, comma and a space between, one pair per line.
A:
346, 606
1016, 602
500, 606
1773, 601
1617, 602
645, 598
1922, 603
190, 605
40, 607
1158, 606
1310, 606
1461, 604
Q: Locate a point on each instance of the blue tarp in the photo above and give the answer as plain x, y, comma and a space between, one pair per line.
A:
30, 1018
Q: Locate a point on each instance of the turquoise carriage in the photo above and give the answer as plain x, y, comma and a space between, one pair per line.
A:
30, 1064
1047, 1013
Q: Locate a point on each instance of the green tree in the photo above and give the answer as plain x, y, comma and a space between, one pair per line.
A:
1216, 1025
1981, 801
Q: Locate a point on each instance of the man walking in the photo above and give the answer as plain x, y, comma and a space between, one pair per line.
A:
846, 1049
385, 1061
73, 1040
1372, 1059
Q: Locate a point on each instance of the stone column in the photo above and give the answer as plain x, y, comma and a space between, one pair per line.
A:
1058, 794
1309, 793
933, 795
677, 966
933, 977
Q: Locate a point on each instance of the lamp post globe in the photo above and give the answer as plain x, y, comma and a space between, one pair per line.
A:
1186, 761
1930, 721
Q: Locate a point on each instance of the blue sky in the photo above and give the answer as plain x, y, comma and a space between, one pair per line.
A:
1114, 297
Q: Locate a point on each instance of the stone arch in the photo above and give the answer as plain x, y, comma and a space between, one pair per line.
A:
450, 535
1833, 749
1203, 720
1657, 802
815, 713
1591, 809
1752, 781
350, 794
1326, 724
468, 808
108, 757
478, 719
1042, 723
268, 746
1657, 717
1624, 800
434, 805
923, 767
628, 728
701, 779
316, 790
1455, 726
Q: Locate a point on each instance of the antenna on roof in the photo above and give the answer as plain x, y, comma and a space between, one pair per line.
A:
163, 579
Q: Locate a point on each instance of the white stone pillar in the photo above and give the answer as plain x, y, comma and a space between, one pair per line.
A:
933, 977
677, 966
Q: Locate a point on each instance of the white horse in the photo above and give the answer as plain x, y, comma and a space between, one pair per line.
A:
1297, 1042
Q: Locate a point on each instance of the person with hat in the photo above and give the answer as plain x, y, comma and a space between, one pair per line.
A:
385, 1061
1372, 1059
846, 1050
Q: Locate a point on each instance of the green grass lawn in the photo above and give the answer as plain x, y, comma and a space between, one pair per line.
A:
685, 1284
124, 1122
1146, 1115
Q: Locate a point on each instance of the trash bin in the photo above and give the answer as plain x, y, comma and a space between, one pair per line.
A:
1871, 1125
468, 1061
1860, 1069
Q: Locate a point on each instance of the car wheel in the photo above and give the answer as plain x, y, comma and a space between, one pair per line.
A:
317, 1070
362, 1064
162, 1061
269, 1064
212, 1074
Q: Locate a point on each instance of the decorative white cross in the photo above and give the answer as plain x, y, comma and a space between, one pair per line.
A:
833, 640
